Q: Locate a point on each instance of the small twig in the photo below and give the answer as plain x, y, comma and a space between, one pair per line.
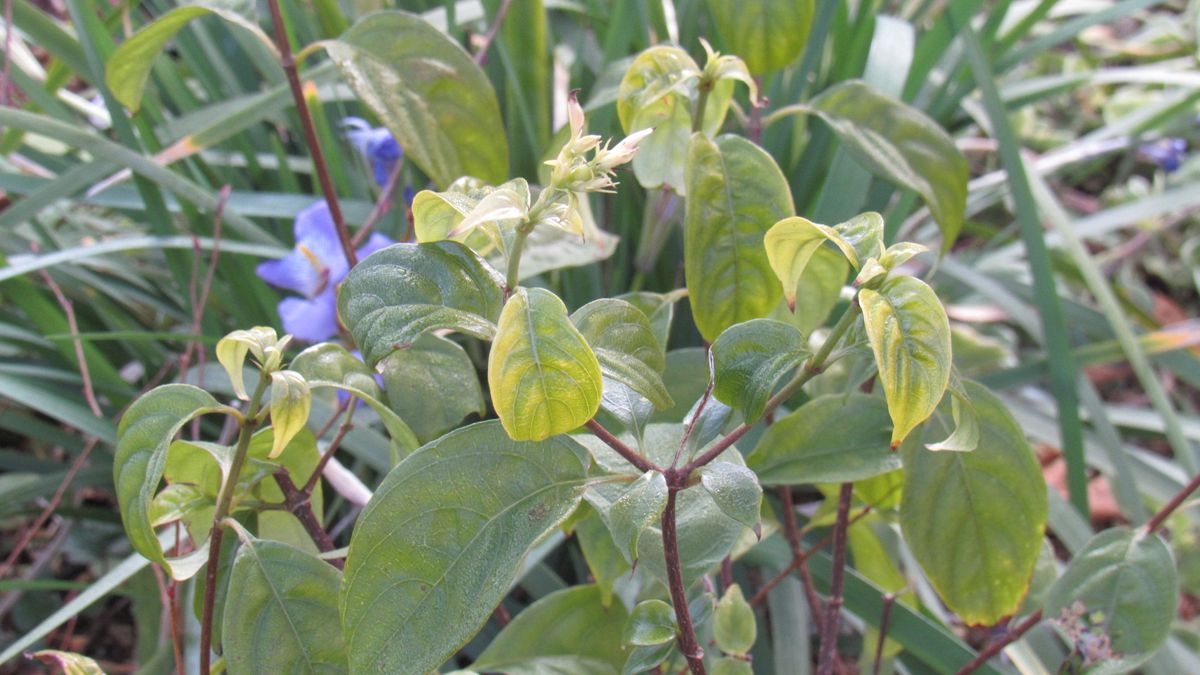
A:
382, 205
344, 429
69, 309
288, 60
1156, 522
31, 531
683, 616
632, 456
833, 607
889, 599
298, 504
994, 648
490, 35
687, 432
166, 593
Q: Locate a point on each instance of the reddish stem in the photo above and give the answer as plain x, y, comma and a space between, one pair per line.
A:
994, 648
683, 617
833, 607
632, 456
1165, 512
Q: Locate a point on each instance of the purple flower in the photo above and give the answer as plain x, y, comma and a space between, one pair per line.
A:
377, 145
1167, 153
313, 269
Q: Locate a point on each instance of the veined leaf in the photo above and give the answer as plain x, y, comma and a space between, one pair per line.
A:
432, 385
543, 376
736, 193
734, 489
129, 66
897, 142
638, 507
625, 346
1127, 589
143, 437
975, 520
291, 401
278, 609
659, 308
831, 439
652, 622
428, 92
397, 293
910, 335
486, 499
767, 34
965, 434
752, 359
604, 560
734, 627
656, 93
547, 633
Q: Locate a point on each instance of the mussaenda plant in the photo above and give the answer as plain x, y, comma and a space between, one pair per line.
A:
828, 364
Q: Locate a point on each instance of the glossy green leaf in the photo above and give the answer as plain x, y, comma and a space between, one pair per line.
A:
646, 659
897, 142
630, 408
278, 610
543, 376
734, 625
659, 308
428, 92
910, 335
656, 93
791, 243
637, 508
736, 193
432, 386
752, 360
734, 489
129, 66
546, 637
1126, 587
397, 293
143, 437
486, 499
965, 434
975, 520
864, 234
767, 34
831, 439
625, 345
604, 560
291, 401
652, 622
818, 291
729, 665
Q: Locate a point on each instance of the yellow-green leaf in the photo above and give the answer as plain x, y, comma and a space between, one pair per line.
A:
767, 34
910, 335
543, 376
291, 401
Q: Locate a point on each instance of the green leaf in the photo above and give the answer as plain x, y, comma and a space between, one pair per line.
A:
291, 401
864, 234
143, 437
432, 386
232, 351
767, 34
659, 308
329, 362
604, 560
486, 499
635, 510
652, 622
69, 663
831, 439
975, 520
965, 436
129, 66
546, 637
735, 489
752, 359
734, 625
625, 345
791, 243
631, 409
278, 610
732, 666
428, 92
397, 293
543, 376
735, 194
897, 142
910, 335
656, 92
1126, 587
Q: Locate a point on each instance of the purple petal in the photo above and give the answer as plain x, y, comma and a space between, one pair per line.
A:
294, 272
312, 320
375, 242
315, 230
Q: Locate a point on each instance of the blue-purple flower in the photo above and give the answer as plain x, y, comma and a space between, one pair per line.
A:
376, 144
313, 269
1167, 153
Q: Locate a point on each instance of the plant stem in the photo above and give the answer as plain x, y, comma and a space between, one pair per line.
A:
632, 456
297, 503
812, 367
993, 649
288, 61
889, 599
512, 278
224, 501
701, 104
683, 617
1169, 508
833, 607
